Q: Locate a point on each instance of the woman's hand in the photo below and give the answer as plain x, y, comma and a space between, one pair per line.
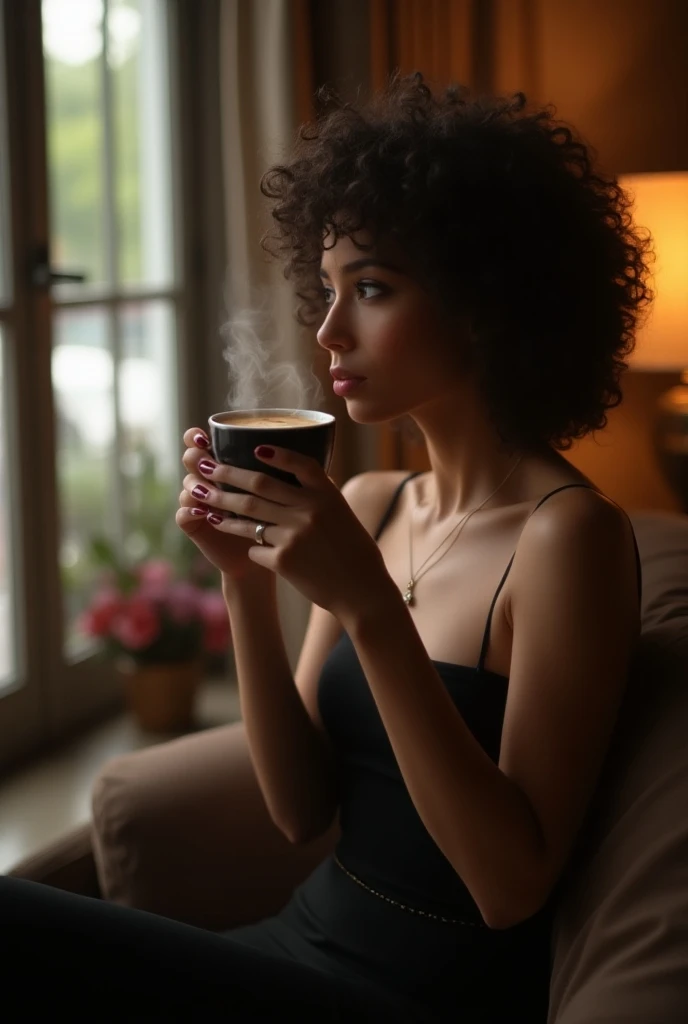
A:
228, 553
312, 538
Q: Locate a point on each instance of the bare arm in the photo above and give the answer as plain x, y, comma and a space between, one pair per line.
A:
507, 829
290, 750
290, 754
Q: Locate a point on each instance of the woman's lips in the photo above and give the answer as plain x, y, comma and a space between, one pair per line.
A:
347, 385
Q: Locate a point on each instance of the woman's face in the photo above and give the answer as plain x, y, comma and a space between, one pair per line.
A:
384, 326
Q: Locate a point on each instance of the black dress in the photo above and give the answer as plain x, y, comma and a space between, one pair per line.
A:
413, 949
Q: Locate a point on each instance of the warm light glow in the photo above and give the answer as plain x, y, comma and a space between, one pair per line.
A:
661, 204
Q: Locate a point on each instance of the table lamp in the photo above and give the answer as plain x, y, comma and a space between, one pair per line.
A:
661, 205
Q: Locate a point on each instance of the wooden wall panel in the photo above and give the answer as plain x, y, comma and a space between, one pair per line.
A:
432, 36
618, 71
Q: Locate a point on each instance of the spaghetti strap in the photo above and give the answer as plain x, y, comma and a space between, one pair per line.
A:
488, 624
392, 505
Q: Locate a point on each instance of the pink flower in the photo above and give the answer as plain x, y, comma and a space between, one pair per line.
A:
152, 590
213, 607
98, 618
183, 602
215, 639
216, 631
137, 624
202, 569
156, 572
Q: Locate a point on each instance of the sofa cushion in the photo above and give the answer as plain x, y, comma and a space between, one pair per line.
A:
181, 829
620, 948
663, 542
67, 863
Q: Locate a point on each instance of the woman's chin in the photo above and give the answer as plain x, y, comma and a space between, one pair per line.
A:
369, 417
370, 414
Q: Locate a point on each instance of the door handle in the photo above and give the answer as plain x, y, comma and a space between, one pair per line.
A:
42, 275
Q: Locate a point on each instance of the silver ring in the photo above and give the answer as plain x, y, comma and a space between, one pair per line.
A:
260, 530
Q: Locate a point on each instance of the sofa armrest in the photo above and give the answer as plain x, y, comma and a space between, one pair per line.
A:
181, 829
620, 937
67, 863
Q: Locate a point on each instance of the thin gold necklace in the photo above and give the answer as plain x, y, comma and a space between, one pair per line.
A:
409, 596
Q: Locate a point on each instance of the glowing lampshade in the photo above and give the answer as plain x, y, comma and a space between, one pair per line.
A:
661, 205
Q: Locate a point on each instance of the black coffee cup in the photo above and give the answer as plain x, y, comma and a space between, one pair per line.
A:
235, 435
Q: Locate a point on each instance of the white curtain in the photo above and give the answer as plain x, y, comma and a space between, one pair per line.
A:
259, 121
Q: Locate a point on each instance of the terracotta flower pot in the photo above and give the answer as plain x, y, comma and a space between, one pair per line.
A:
161, 697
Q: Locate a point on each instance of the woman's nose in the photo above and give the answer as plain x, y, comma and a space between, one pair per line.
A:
335, 332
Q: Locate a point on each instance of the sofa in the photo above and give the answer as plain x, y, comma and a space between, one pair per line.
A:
181, 829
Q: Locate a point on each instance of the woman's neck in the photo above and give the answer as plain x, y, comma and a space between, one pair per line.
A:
468, 462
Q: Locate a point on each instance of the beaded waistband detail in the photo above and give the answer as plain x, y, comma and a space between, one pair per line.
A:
403, 906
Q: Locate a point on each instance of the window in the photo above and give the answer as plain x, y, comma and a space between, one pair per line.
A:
93, 311
114, 332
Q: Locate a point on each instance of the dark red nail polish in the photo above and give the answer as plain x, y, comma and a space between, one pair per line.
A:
200, 510
200, 492
213, 518
264, 451
201, 440
206, 466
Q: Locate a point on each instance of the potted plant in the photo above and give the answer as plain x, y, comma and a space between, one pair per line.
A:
160, 628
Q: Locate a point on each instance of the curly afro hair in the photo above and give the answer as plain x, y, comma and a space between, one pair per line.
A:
501, 213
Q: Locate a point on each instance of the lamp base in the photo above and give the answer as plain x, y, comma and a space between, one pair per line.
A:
671, 438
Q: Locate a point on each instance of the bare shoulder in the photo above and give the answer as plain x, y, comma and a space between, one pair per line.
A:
581, 534
577, 515
370, 493
575, 620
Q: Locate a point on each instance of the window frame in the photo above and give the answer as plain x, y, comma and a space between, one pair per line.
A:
58, 697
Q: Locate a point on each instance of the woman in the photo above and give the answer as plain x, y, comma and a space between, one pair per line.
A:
472, 626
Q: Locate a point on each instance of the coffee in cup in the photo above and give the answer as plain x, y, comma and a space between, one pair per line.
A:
269, 419
235, 434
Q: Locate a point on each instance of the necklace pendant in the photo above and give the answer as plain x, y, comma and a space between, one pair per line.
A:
408, 596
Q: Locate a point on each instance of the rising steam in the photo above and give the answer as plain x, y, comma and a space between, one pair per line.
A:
257, 379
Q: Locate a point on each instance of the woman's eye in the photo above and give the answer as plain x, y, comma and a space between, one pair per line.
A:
369, 289
365, 290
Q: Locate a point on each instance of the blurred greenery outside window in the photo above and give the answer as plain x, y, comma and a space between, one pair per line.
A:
114, 364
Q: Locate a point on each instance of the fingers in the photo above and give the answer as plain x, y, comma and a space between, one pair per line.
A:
207, 477
268, 487
307, 471
190, 519
191, 513
273, 535
186, 500
195, 437
202, 493
197, 447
